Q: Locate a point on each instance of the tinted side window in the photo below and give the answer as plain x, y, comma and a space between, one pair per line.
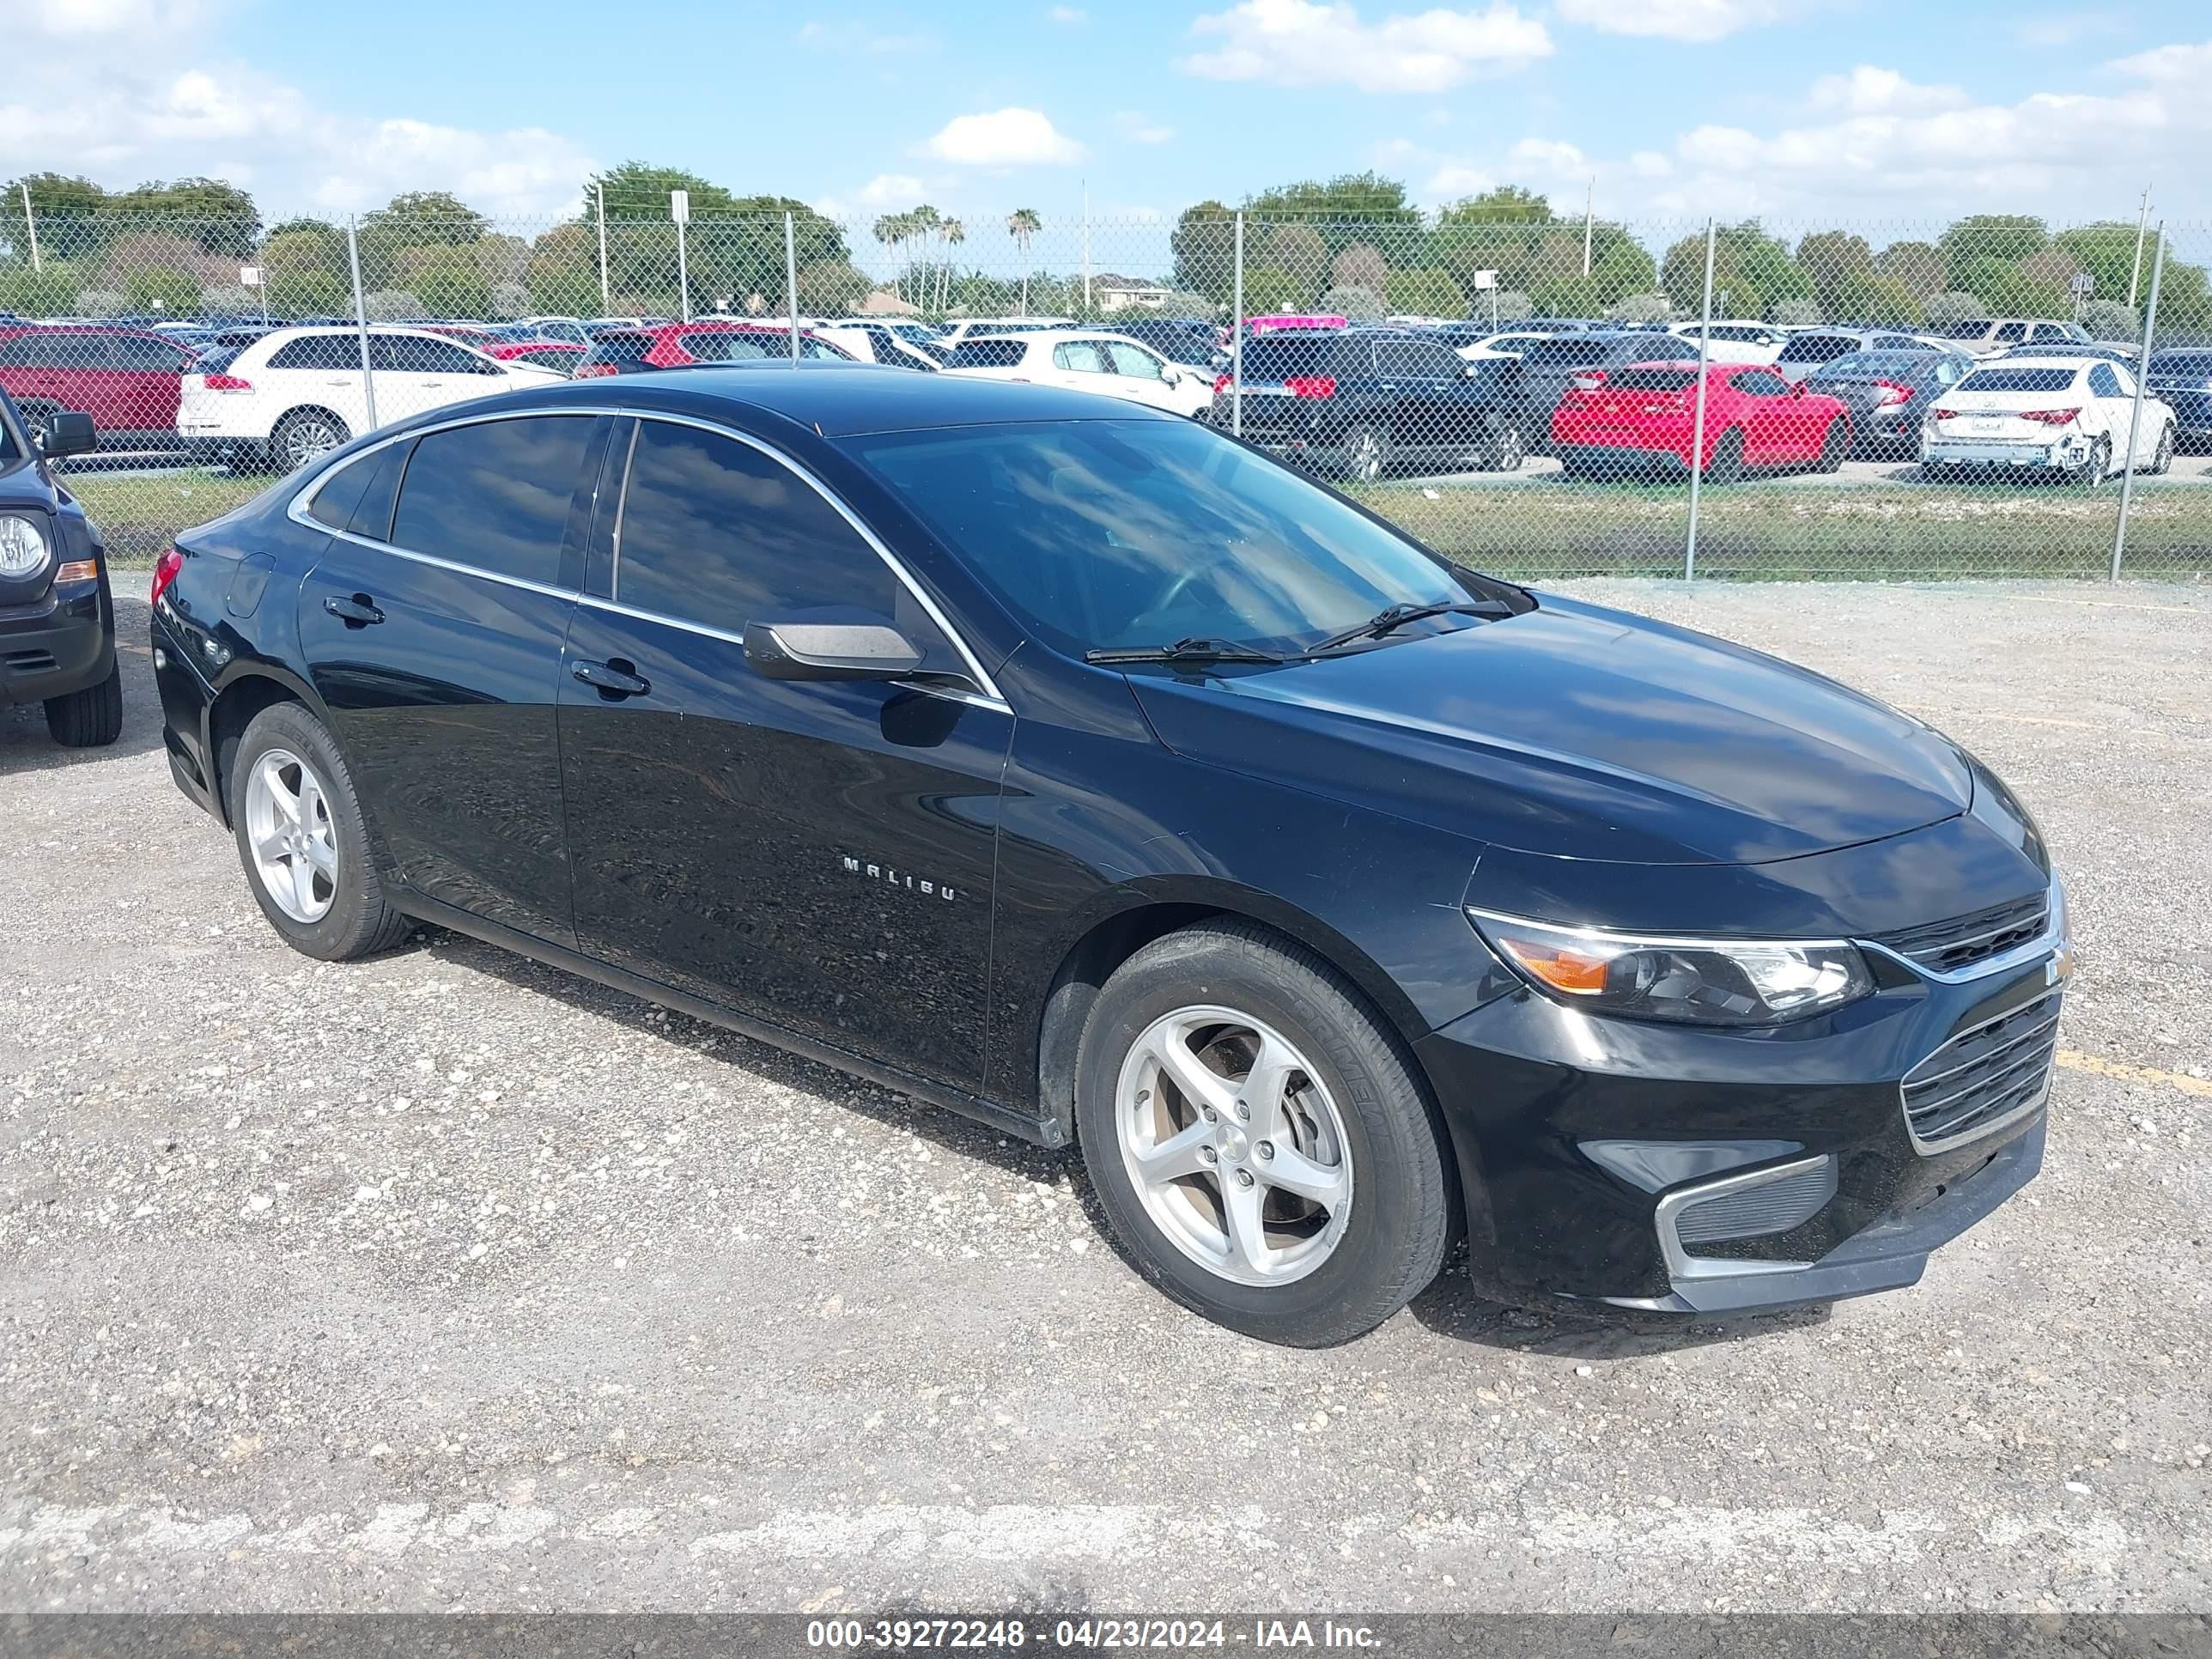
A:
723, 346
372, 518
494, 495
714, 531
2104, 382
340, 493
136, 351
2011, 332
318, 351
1083, 357
987, 354
1760, 383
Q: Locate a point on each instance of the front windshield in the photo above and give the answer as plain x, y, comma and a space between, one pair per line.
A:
1108, 534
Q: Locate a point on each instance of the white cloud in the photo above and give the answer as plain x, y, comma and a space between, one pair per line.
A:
1072, 16
1298, 43
1003, 138
122, 96
1870, 91
1681, 20
1139, 127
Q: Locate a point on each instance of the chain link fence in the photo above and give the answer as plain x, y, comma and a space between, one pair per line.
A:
1546, 397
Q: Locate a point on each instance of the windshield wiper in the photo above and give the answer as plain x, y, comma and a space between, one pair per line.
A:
1395, 616
1187, 650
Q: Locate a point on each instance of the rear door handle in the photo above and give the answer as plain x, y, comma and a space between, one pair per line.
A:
359, 611
614, 680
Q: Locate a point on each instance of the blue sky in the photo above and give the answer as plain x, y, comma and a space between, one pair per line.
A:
1865, 112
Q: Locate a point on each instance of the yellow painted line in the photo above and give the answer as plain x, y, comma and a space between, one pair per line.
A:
2112, 604
2075, 1060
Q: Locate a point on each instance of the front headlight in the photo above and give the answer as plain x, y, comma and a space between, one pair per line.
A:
22, 546
1716, 981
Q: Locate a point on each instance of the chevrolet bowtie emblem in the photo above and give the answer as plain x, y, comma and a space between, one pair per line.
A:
2060, 968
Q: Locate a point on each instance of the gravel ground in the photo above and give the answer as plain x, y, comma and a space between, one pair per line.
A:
447, 1282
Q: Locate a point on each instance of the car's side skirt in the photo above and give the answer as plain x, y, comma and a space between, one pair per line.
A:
1044, 1132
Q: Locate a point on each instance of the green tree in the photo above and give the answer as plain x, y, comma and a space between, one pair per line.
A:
562, 274
1298, 249
2107, 252
1508, 205
306, 270
1979, 237
1270, 290
1205, 246
735, 243
1953, 307
50, 291
832, 288
415, 219
2006, 291
1919, 265
163, 289
219, 217
1429, 291
1752, 272
448, 279
70, 214
1352, 207
1867, 296
1023, 225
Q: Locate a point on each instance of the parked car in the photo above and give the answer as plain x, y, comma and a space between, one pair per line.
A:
2064, 417
297, 393
1550, 368
1300, 322
2182, 379
57, 616
2110, 354
568, 329
872, 343
1641, 422
1888, 394
1076, 768
127, 379
1193, 343
960, 328
559, 356
1359, 402
1806, 348
1084, 359
1735, 341
680, 345
1985, 336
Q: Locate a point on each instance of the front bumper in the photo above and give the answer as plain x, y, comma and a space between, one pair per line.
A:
1683, 1169
56, 645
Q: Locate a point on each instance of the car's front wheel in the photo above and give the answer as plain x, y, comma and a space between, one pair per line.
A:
1258, 1139
303, 841
91, 717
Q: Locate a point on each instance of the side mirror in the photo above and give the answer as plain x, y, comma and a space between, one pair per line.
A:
67, 432
829, 645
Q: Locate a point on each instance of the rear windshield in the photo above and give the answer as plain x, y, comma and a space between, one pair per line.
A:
987, 354
2018, 380
1816, 348
616, 347
1280, 356
215, 359
1652, 379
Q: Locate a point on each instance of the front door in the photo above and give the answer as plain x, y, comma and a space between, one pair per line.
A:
438, 654
816, 854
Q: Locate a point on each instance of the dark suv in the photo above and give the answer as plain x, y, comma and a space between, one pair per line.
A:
56, 617
1357, 403
1063, 762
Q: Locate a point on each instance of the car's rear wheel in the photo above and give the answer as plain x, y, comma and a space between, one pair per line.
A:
2163, 461
90, 718
1363, 454
1257, 1139
1833, 443
304, 437
1508, 449
303, 841
1725, 465
2093, 471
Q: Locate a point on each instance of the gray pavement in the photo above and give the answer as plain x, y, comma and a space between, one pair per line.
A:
444, 1281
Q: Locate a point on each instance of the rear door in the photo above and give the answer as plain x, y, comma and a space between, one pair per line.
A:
150, 372
436, 647
321, 370
818, 854
1140, 376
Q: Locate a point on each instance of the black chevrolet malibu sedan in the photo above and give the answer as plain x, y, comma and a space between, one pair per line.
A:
57, 616
1079, 768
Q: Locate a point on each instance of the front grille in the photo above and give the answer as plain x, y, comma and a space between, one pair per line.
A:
1985, 1074
1773, 1207
1944, 947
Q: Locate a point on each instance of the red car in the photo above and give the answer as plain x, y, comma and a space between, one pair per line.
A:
560, 355
126, 378
1638, 421
674, 345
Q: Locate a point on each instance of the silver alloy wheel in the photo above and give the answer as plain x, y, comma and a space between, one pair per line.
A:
1511, 452
1363, 459
290, 836
307, 438
1235, 1148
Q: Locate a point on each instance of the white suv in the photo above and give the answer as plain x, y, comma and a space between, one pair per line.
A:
297, 393
1083, 361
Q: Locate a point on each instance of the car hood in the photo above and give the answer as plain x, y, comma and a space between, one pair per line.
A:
1580, 733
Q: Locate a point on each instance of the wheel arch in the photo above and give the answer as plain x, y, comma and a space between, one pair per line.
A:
248, 690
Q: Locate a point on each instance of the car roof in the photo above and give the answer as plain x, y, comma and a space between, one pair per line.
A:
2050, 359
830, 400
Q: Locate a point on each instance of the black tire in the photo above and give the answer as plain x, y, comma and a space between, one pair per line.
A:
359, 921
2162, 462
1725, 465
1363, 454
292, 433
1833, 444
1399, 1218
90, 718
1508, 449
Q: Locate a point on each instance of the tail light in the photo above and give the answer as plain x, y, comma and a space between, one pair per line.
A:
2049, 417
1221, 386
165, 571
1944, 414
1311, 385
1892, 394
591, 371
225, 383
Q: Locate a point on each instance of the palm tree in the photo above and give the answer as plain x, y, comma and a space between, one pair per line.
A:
1022, 224
954, 233
923, 223
891, 230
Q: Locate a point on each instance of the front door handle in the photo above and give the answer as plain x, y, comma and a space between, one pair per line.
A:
614, 680
359, 611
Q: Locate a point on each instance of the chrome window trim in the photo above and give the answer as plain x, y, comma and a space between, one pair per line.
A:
1681, 1265
297, 510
